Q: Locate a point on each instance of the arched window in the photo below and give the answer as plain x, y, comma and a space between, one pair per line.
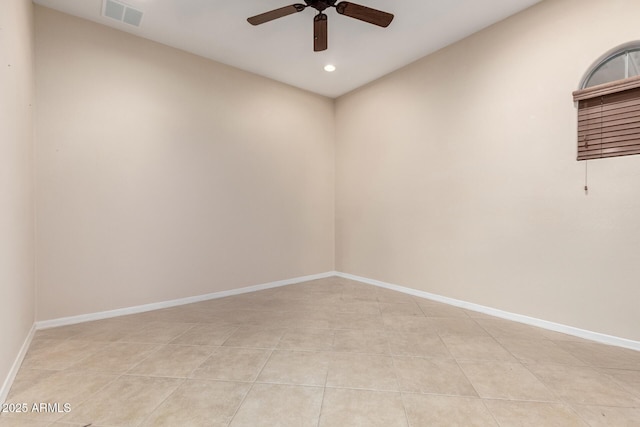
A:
620, 65
609, 106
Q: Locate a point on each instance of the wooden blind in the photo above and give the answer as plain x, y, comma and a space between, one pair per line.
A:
609, 120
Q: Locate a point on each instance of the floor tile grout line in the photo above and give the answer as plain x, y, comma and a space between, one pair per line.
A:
495, 338
558, 397
183, 333
621, 384
324, 391
73, 363
159, 347
213, 351
580, 416
117, 377
395, 370
266, 361
240, 404
463, 372
484, 405
182, 382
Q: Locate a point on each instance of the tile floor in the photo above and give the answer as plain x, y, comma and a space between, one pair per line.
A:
330, 352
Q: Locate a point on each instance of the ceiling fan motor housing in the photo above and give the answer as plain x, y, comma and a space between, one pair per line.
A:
320, 5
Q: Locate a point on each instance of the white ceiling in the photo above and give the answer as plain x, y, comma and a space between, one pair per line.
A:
283, 49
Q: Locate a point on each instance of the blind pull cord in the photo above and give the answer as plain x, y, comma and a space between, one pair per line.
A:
586, 187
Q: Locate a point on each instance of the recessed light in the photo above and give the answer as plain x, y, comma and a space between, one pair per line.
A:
330, 68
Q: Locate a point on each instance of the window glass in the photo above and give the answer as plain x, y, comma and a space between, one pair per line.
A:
634, 63
612, 70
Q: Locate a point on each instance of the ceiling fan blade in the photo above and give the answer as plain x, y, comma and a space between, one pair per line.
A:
320, 32
275, 14
363, 13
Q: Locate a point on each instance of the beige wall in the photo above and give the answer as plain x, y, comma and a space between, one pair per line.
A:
16, 170
163, 175
457, 175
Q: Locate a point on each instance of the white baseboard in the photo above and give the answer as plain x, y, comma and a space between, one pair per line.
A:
557, 327
46, 324
8, 382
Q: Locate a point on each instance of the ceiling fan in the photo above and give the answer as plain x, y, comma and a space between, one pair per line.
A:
352, 10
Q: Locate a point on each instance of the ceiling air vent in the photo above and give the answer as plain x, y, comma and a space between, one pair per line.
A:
121, 12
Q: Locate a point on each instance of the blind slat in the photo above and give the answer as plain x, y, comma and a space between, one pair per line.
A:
599, 156
613, 114
597, 128
614, 140
614, 144
608, 109
592, 135
608, 104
